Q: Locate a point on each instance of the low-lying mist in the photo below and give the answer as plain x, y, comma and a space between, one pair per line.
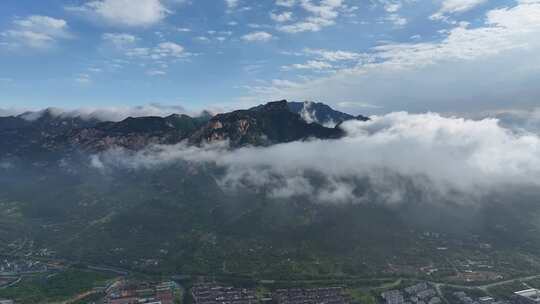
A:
388, 159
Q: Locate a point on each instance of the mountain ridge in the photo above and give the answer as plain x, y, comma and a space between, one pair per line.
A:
274, 122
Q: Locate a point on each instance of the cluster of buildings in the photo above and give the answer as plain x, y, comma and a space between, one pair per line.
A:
528, 296
421, 293
3, 301
15, 267
206, 293
215, 294
328, 295
124, 292
463, 298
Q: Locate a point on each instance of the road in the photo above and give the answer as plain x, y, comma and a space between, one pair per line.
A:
487, 286
12, 283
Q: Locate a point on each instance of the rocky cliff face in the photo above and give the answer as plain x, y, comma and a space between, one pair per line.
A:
265, 125
136, 133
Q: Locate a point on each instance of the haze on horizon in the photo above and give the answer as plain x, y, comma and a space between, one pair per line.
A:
370, 57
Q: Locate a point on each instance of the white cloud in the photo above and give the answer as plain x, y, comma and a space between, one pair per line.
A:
319, 16
83, 79
164, 50
495, 60
396, 20
438, 156
286, 3
231, 4
11, 111
520, 120
310, 65
352, 105
333, 56
456, 6
392, 7
170, 49
36, 32
44, 24
283, 17
116, 113
257, 36
156, 73
120, 40
311, 24
140, 13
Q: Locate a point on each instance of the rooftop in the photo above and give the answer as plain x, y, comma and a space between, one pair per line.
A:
532, 294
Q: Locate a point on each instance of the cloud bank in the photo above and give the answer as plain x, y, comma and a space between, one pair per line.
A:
116, 113
36, 31
386, 159
140, 13
467, 68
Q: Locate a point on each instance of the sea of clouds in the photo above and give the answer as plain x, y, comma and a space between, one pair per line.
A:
387, 158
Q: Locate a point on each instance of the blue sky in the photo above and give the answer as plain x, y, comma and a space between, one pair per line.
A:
361, 56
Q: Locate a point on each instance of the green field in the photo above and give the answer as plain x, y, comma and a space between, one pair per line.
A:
56, 287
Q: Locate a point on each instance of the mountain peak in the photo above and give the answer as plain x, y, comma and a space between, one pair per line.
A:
262, 125
280, 105
271, 123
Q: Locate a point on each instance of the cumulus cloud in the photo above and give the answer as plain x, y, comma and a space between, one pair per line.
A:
156, 58
140, 13
386, 157
281, 17
36, 32
319, 15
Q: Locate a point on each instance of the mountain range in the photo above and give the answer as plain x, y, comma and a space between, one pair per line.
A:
183, 217
271, 123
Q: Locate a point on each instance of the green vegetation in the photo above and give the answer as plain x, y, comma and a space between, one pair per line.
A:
360, 296
507, 290
90, 299
178, 220
55, 287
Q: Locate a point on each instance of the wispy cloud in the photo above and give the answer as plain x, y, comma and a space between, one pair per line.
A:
120, 40
397, 75
310, 65
319, 16
455, 6
257, 37
36, 32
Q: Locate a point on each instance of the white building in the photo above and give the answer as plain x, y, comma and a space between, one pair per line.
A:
528, 296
